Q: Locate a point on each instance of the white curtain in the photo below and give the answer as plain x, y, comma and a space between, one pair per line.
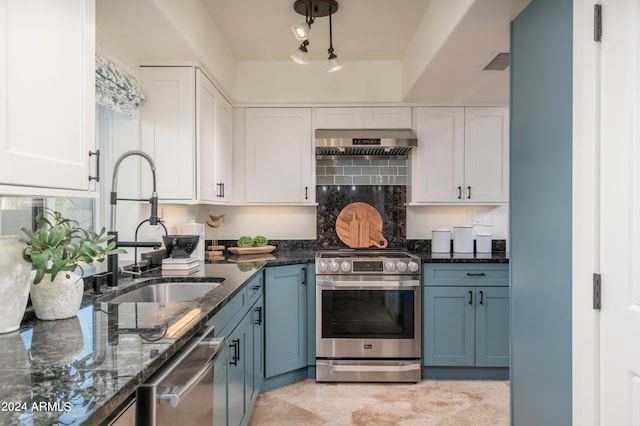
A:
116, 89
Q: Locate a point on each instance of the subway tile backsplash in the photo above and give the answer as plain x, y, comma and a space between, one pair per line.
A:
361, 172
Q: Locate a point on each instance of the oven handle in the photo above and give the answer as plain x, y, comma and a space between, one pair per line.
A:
390, 368
360, 284
173, 394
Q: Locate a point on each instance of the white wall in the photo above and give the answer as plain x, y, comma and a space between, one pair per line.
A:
422, 220
274, 222
289, 82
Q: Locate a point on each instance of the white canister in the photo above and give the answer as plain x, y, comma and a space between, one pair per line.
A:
193, 228
483, 243
441, 240
463, 239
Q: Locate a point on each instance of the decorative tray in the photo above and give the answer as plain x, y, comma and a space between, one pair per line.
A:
252, 250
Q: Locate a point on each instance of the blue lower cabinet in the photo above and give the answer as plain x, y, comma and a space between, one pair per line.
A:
257, 322
449, 326
239, 369
285, 319
492, 327
311, 315
466, 315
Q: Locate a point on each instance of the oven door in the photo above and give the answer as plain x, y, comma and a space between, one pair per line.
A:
363, 317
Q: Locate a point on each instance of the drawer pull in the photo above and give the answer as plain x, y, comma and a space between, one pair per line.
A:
470, 274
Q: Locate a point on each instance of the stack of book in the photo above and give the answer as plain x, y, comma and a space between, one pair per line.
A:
179, 266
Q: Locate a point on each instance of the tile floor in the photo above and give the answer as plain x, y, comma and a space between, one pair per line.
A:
431, 402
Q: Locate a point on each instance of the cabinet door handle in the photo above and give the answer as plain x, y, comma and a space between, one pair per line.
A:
303, 276
481, 297
97, 176
222, 189
235, 343
306, 192
259, 311
218, 190
459, 193
470, 297
468, 192
473, 274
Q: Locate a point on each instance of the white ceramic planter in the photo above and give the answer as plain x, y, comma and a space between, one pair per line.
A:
58, 299
14, 283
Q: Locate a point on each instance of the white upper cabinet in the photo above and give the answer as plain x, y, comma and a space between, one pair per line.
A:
213, 127
438, 161
186, 128
462, 155
486, 154
279, 156
167, 130
47, 96
364, 118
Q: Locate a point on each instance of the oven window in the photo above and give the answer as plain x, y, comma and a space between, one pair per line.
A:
368, 314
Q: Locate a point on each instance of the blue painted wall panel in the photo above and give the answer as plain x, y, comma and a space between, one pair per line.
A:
540, 213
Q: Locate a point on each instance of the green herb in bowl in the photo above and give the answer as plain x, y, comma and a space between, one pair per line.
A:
260, 240
245, 241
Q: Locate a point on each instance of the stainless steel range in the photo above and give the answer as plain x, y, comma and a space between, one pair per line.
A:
368, 316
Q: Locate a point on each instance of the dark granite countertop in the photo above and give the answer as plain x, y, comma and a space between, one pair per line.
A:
79, 370
493, 257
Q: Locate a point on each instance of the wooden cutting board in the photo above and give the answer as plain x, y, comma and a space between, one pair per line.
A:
359, 225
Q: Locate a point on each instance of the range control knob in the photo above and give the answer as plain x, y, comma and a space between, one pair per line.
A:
345, 266
390, 266
413, 266
334, 266
402, 266
322, 266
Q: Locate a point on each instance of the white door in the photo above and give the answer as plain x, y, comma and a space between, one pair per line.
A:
607, 344
620, 206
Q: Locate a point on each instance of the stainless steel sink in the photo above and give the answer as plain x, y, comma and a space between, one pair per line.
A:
166, 292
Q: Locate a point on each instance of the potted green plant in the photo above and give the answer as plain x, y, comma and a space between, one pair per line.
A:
58, 249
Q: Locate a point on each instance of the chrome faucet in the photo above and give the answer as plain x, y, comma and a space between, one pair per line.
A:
112, 260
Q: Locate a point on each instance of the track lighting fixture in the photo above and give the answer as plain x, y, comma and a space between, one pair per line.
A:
312, 9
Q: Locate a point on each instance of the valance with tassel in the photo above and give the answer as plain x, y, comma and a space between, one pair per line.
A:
116, 89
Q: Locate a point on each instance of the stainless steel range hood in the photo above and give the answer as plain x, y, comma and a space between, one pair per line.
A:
364, 143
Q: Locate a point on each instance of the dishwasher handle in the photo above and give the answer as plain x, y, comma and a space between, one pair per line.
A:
173, 394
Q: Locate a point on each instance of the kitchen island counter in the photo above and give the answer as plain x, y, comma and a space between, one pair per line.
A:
80, 370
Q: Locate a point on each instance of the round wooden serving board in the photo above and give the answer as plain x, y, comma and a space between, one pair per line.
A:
359, 225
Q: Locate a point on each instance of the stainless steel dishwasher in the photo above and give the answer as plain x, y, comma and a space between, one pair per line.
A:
181, 392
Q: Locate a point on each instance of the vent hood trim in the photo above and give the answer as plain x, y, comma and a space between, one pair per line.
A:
364, 143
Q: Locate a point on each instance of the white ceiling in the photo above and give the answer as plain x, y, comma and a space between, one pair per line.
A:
363, 30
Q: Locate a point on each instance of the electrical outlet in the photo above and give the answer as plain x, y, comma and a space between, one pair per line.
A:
474, 217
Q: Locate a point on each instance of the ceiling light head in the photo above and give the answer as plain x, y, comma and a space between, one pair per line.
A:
301, 31
300, 56
334, 64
